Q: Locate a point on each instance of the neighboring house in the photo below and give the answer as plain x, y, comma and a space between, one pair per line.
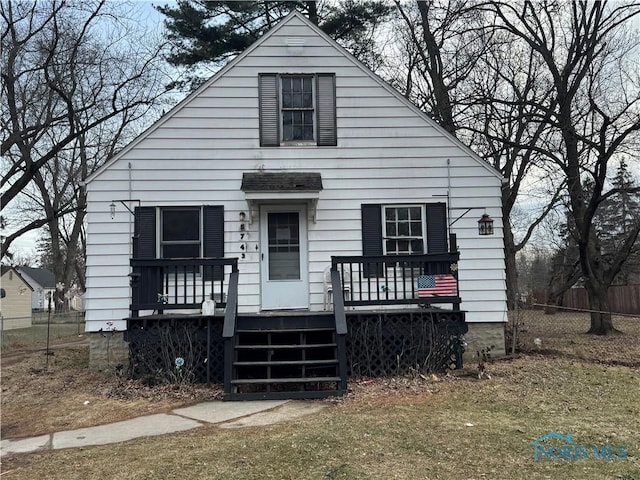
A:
318, 208
15, 304
43, 285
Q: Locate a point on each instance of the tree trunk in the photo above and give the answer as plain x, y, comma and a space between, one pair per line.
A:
601, 323
510, 265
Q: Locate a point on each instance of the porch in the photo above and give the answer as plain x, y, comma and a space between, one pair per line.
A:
384, 316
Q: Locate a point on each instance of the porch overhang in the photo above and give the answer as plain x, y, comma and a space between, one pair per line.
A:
281, 187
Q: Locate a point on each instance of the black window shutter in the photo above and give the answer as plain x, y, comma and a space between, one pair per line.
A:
269, 110
436, 227
372, 237
146, 283
326, 106
213, 229
144, 240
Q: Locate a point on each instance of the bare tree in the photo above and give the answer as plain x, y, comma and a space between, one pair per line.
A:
590, 59
80, 80
467, 76
68, 71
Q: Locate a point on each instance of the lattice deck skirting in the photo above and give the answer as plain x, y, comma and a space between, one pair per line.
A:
172, 348
396, 343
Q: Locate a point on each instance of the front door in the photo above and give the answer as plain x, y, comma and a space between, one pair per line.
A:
284, 269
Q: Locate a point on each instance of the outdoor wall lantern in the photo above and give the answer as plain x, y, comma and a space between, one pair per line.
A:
112, 206
485, 225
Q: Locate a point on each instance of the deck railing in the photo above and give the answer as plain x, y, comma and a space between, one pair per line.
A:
185, 283
399, 279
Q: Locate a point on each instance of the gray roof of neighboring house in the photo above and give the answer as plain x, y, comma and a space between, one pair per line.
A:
42, 276
281, 181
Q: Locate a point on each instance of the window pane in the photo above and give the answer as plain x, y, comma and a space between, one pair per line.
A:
403, 229
403, 246
391, 246
286, 85
417, 246
307, 84
181, 251
307, 118
390, 213
307, 100
416, 229
297, 100
286, 100
180, 225
287, 118
287, 133
308, 133
296, 84
391, 229
415, 213
284, 245
403, 213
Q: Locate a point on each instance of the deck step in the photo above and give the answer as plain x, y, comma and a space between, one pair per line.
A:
264, 381
302, 394
329, 361
286, 347
285, 330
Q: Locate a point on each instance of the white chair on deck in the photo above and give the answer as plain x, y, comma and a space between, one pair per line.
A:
328, 287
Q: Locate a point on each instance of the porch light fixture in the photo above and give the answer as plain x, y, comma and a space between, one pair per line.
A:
485, 225
112, 206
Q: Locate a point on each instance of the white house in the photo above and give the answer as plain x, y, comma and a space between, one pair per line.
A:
43, 284
292, 154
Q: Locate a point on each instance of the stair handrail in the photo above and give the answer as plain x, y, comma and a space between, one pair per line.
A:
338, 302
231, 310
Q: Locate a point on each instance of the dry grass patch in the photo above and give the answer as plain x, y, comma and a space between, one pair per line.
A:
38, 398
434, 428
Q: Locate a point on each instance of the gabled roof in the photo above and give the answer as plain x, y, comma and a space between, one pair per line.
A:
247, 52
42, 276
7, 268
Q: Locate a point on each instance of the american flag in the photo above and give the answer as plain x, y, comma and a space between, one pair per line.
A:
443, 285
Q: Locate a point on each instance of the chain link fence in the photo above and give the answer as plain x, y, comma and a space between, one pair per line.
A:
58, 327
553, 330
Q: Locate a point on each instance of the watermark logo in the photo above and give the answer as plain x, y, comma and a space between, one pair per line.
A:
555, 446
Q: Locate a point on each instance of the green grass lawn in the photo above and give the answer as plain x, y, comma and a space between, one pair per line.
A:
464, 428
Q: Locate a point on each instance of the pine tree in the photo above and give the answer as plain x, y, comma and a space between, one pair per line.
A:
204, 35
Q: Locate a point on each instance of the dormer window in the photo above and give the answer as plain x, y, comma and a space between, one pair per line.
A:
297, 110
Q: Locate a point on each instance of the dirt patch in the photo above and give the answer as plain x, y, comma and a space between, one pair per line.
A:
38, 398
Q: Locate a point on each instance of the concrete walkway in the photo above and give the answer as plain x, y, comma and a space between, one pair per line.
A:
226, 414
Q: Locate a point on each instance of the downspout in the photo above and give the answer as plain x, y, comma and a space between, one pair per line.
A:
449, 200
130, 219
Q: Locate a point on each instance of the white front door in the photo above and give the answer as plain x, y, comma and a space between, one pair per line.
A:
284, 268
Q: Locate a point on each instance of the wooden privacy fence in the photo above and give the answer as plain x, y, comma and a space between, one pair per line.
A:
622, 299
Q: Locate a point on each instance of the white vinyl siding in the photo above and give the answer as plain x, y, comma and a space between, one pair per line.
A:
386, 153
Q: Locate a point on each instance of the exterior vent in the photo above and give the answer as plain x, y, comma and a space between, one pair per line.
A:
295, 45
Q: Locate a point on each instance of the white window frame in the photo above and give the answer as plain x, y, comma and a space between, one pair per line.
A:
282, 109
385, 237
161, 242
